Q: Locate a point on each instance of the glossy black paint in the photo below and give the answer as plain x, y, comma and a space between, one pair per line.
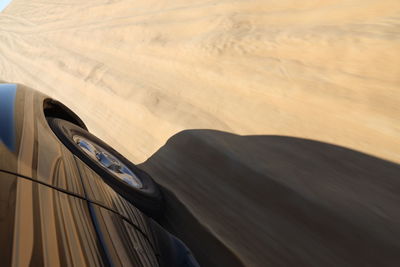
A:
55, 210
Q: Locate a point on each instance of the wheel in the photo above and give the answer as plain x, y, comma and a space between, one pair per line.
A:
123, 176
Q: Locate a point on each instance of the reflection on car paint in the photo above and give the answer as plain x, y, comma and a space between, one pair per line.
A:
7, 125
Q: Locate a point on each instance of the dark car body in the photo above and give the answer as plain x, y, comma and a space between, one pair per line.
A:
55, 210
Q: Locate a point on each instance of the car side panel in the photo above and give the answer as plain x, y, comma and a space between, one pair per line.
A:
40, 226
123, 243
97, 191
36, 152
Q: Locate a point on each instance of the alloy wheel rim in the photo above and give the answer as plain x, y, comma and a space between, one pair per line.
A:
108, 161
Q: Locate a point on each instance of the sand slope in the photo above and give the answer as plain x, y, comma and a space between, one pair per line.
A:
324, 70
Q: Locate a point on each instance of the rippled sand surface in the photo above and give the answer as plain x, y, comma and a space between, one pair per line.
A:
138, 72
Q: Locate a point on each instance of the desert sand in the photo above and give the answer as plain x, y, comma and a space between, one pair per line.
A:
141, 72
324, 70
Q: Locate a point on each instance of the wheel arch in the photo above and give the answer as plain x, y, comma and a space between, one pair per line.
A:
55, 109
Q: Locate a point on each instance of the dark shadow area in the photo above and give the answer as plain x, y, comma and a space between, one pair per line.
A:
209, 251
278, 201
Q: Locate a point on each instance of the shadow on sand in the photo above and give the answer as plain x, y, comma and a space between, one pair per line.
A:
278, 201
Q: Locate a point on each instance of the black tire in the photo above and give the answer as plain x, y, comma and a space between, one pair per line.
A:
148, 198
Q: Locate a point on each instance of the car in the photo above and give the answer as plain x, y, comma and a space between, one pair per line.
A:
69, 199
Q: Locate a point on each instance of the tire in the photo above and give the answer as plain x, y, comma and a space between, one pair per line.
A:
147, 198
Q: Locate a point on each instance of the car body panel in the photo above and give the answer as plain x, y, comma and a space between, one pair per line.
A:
97, 191
123, 243
35, 152
41, 226
47, 227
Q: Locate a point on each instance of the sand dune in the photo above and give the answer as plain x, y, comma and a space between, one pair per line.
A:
324, 70
138, 72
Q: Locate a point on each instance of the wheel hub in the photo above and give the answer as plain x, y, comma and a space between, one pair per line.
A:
108, 161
